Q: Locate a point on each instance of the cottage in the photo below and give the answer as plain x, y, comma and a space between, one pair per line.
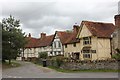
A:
94, 41
30, 49
37, 45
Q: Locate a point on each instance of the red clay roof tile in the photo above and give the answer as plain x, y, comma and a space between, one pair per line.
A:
41, 42
99, 29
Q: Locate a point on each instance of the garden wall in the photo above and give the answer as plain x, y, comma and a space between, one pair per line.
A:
82, 65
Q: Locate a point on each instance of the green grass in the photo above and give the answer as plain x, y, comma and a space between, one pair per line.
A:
13, 64
75, 71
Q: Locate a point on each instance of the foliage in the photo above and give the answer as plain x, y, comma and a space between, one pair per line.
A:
68, 31
12, 38
43, 55
116, 56
57, 61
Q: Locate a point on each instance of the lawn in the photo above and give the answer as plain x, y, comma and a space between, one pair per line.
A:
13, 64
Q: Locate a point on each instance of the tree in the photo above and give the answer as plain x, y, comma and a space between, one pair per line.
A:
12, 38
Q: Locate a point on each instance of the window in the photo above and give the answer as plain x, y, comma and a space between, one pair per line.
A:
65, 45
86, 56
93, 51
55, 53
59, 44
86, 51
54, 44
50, 52
74, 44
86, 40
59, 52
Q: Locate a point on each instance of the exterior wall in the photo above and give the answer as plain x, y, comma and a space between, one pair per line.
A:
84, 32
104, 48
47, 49
56, 49
71, 49
30, 52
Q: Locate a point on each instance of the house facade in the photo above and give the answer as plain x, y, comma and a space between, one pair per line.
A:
94, 41
30, 49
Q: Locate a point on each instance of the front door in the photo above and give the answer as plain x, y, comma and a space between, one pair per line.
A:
77, 55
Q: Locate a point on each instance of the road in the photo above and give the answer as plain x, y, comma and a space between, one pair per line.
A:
30, 70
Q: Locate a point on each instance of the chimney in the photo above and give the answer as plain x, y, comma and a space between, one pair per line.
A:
75, 28
29, 35
43, 35
117, 20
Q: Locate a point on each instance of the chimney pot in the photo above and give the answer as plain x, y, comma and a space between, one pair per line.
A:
43, 35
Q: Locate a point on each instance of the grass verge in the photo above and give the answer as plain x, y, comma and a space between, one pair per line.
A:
75, 71
13, 64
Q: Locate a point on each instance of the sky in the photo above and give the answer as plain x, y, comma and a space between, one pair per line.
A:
48, 16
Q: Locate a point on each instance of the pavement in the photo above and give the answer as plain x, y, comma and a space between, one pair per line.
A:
30, 70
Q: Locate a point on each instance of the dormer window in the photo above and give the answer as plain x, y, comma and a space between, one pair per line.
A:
86, 40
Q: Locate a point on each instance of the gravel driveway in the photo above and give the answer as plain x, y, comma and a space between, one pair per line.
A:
30, 70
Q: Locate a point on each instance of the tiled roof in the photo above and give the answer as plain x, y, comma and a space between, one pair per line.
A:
99, 29
63, 35
41, 42
69, 37
31, 42
46, 41
72, 38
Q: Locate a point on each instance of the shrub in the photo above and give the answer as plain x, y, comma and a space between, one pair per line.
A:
59, 60
43, 55
116, 56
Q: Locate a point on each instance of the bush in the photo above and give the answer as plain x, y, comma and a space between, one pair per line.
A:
116, 56
57, 61
43, 55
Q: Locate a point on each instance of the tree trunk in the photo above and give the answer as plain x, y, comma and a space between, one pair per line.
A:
23, 55
3, 60
9, 61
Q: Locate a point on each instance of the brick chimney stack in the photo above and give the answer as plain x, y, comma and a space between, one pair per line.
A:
43, 35
117, 20
75, 28
29, 35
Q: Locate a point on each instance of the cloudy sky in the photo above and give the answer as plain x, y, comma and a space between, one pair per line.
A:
49, 16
